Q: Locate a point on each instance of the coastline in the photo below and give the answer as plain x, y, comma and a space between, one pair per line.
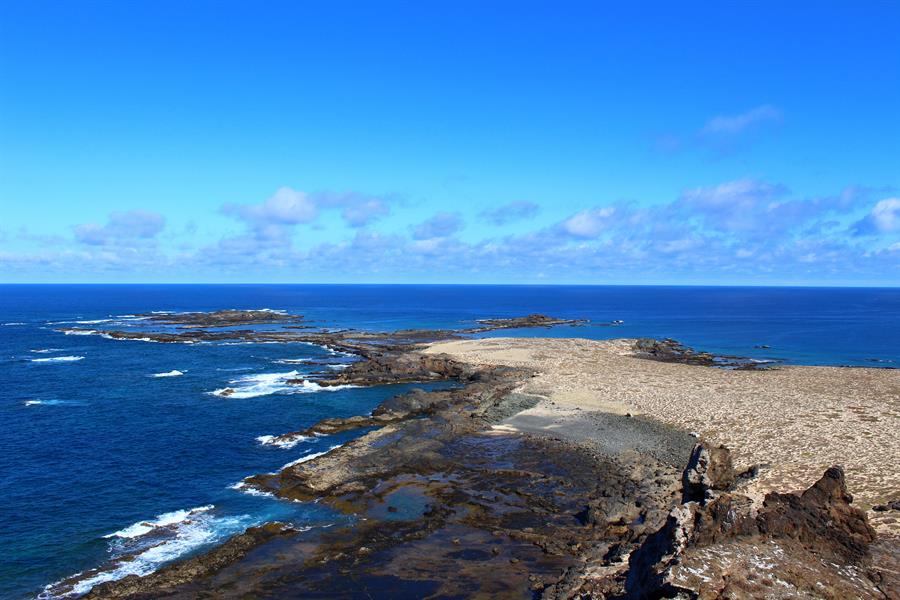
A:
793, 421
455, 464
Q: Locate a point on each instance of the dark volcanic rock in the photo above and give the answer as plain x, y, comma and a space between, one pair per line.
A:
812, 545
398, 367
533, 320
821, 518
448, 508
222, 318
669, 350
445, 506
193, 568
709, 468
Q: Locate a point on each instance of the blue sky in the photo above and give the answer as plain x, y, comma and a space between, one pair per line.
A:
492, 142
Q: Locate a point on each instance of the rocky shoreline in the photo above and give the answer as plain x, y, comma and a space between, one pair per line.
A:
451, 503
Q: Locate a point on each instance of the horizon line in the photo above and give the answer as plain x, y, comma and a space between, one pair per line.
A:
457, 284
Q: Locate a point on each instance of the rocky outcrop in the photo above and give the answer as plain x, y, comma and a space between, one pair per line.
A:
221, 318
821, 519
398, 367
716, 544
533, 320
669, 350
709, 469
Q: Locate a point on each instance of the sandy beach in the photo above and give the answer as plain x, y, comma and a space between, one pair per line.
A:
793, 422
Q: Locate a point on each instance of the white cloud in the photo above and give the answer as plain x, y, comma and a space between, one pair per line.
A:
121, 228
365, 211
511, 212
884, 218
589, 223
736, 124
285, 207
439, 226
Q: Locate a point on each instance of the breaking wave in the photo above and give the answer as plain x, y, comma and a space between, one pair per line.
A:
288, 441
172, 373
163, 520
143, 547
51, 403
264, 384
57, 359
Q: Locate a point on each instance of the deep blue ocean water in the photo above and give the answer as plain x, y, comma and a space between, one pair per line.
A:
91, 443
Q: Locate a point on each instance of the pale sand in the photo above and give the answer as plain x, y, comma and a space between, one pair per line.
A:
795, 421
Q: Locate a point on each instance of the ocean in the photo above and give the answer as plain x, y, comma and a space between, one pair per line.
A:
118, 455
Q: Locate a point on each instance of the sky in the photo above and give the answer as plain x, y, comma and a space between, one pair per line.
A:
732, 143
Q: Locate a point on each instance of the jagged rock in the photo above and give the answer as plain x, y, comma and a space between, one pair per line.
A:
821, 518
811, 545
709, 468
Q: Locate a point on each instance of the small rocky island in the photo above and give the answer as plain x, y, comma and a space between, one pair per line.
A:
533, 479
220, 318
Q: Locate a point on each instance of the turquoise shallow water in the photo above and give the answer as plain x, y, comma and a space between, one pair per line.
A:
99, 458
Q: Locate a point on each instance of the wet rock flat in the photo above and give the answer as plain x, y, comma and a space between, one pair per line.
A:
447, 507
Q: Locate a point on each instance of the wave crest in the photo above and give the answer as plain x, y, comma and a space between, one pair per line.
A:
57, 359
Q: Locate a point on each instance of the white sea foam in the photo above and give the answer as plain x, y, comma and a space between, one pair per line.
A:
172, 373
93, 322
329, 349
14, 323
290, 442
308, 457
49, 403
57, 359
246, 488
164, 520
141, 551
292, 361
46, 350
339, 367
107, 336
264, 384
311, 386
